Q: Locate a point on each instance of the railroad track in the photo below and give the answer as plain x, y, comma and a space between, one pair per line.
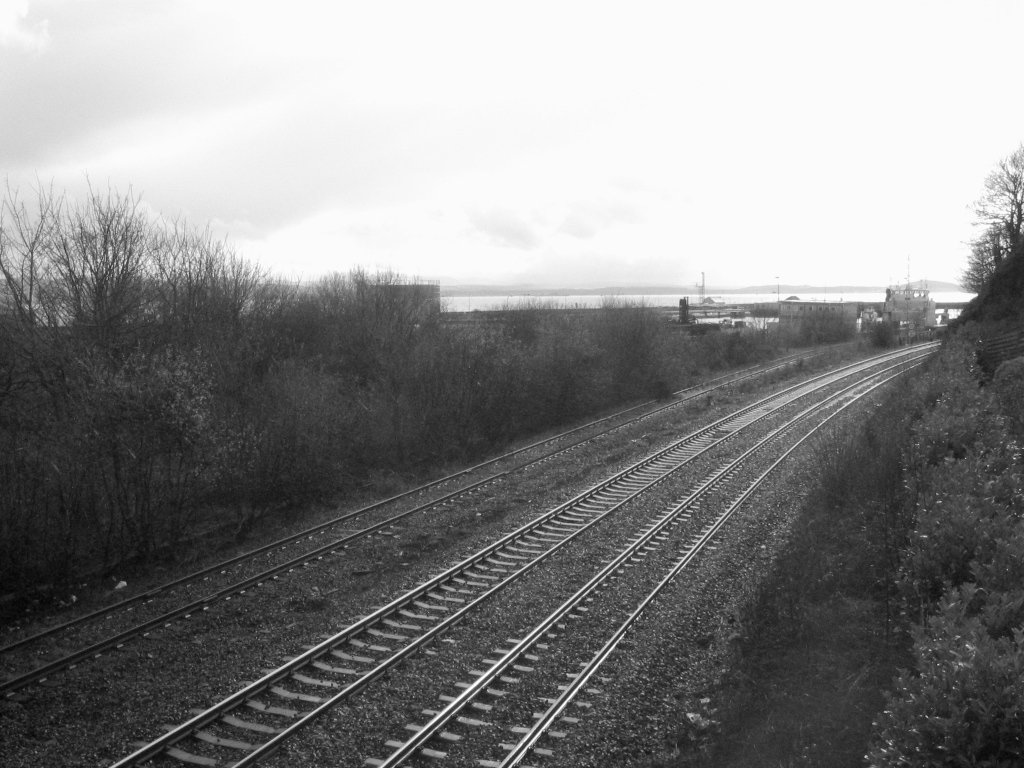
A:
594, 631
263, 715
534, 453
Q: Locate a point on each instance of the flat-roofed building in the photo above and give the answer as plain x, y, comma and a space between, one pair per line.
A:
795, 310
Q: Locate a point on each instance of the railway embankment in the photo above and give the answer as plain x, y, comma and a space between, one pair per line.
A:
97, 712
891, 628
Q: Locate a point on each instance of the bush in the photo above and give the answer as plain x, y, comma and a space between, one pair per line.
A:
962, 578
1008, 384
883, 335
191, 387
964, 706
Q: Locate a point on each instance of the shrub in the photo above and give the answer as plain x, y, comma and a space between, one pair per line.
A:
961, 579
1008, 384
883, 335
964, 706
151, 377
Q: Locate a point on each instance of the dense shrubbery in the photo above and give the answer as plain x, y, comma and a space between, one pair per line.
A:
821, 328
152, 381
962, 577
884, 334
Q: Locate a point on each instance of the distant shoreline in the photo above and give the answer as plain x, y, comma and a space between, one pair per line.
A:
531, 291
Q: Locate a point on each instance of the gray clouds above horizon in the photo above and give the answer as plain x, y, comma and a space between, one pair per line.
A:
527, 141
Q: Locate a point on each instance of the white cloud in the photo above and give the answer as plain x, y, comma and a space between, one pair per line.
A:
531, 141
505, 228
19, 33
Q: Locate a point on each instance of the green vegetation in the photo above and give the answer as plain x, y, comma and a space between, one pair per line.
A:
892, 629
822, 328
906, 556
820, 640
962, 578
154, 384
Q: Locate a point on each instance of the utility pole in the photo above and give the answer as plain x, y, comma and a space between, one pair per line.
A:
778, 298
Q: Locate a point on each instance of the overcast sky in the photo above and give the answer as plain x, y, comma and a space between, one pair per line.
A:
557, 143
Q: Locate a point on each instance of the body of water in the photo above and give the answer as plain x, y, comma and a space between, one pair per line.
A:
487, 303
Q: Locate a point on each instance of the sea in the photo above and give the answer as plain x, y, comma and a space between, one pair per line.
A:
584, 300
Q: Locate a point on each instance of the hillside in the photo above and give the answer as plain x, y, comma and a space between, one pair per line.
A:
1002, 298
678, 290
891, 632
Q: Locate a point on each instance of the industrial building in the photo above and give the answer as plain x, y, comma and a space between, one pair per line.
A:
909, 307
792, 311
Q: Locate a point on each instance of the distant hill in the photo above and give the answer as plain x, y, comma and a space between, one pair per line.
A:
678, 290
932, 285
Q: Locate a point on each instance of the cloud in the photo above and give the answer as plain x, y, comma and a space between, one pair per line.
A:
111, 66
505, 228
587, 219
327, 134
16, 32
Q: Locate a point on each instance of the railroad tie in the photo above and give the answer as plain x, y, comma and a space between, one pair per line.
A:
386, 635
580, 704
284, 693
433, 753
523, 730
247, 725
564, 718
524, 554
504, 678
269, 709
369, 646
474, 704
416, 616
445, 735
324, 666
430, 606
545, 536
493, 559
352, 657
535, 750
399, 625
449, 588
496, 692
180, 754
469, 582
218, 741
517, 667
591, 691
460, 718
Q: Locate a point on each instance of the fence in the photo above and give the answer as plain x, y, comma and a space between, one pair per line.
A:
997, 349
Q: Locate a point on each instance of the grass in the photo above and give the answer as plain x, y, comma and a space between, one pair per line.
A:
819, 646
806, 694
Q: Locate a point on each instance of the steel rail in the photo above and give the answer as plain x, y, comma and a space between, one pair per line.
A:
441, 718
13, 684
578, 683
214, 713
283, 672
695, 391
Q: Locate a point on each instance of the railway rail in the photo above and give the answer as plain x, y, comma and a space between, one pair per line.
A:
680, 551
265, 714
605, 425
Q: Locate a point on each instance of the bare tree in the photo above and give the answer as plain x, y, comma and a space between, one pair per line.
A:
986, 253
99, 257
24, 236
1001, 207
29, 359
202, 283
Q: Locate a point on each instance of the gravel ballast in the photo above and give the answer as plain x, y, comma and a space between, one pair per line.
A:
92, 714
